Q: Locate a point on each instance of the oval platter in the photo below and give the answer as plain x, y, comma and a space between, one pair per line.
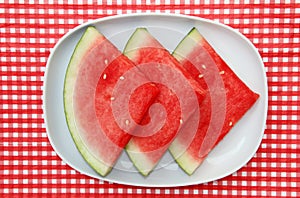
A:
232, 153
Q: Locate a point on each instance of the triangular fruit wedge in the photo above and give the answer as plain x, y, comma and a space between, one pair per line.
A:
227, 100
95, 67
179, 95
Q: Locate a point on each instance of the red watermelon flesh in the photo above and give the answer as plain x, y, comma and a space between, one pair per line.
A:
227, 100
93, 71
161, 68
138, 102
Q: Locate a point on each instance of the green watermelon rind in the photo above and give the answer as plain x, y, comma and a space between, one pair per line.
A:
182, 50
133, 42
83, 46
139, 162
182, 158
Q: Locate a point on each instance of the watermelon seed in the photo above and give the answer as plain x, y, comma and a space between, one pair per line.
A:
112, 98
106, 61
104, 76
230, 123
200, 75
222, 72
122, 78
203, 66
127, 122
181, 121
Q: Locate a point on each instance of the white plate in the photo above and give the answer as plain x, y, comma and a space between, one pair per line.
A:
231, 154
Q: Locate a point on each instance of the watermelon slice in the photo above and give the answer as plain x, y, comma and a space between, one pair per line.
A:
93, 71
227, 100
179, 93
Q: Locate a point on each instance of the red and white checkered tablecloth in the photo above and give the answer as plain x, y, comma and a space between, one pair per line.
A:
29, 167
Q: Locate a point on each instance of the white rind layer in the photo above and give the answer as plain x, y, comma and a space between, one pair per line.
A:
139, 159
177, 150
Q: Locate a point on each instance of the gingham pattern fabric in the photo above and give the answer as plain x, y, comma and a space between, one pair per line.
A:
29, 167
